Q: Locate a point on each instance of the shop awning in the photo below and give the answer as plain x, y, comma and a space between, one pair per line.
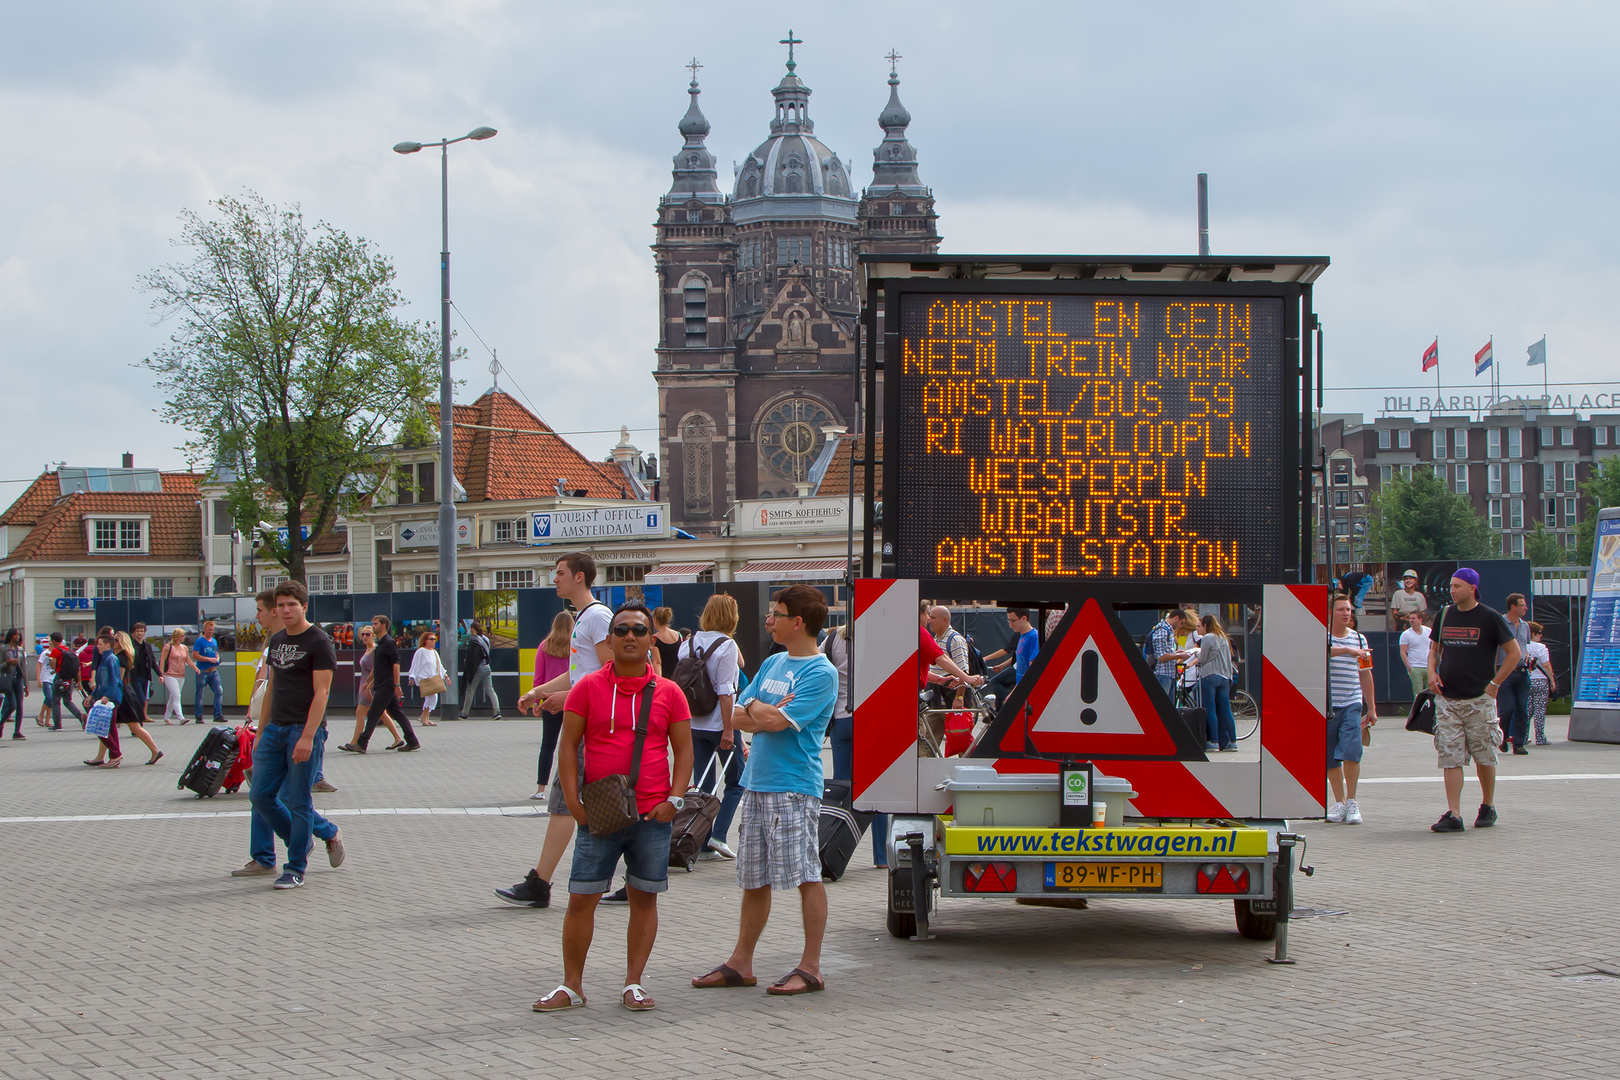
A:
678, 573
792, 570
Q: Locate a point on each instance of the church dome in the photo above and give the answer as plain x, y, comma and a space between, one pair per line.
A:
793, 174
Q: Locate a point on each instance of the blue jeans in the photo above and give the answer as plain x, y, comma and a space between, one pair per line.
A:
280, 795
1169, 684
262, 839
61, 692
1217, 691
210, 678
843, 748
644, 847
11, 694
1513, 707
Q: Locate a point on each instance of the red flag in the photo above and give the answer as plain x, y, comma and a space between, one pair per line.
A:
1431, 355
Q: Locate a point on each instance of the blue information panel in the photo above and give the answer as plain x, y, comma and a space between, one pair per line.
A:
1597, 684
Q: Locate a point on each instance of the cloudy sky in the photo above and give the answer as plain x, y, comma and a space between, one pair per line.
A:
1456, 162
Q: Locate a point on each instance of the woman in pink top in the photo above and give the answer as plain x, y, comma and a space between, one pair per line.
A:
550, 661
173, 666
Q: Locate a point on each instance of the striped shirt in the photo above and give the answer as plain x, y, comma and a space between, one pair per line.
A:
1344, 672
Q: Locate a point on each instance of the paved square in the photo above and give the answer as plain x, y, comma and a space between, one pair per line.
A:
129, 952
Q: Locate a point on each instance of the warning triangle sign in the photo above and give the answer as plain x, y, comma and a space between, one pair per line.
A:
1089, 694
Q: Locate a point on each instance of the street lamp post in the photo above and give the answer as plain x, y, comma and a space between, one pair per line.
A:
449, 623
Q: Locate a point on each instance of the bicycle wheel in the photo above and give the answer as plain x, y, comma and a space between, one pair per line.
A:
1245, 714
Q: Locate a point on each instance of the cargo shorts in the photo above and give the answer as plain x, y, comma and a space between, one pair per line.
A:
1464, 728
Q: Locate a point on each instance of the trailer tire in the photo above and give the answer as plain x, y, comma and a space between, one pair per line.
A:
902, 924
1252, 925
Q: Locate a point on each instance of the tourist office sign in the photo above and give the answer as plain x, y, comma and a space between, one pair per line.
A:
636, 521
1100, 433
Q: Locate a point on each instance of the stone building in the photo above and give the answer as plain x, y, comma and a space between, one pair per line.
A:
759, 292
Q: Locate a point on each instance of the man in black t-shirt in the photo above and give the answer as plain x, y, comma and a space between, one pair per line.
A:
385, 691
301, 660
1465, 676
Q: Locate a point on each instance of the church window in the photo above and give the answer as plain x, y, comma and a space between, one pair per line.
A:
794, 183
694, 216
752, 186
792, 249
696, 302
896, 209
790, 436
697, 438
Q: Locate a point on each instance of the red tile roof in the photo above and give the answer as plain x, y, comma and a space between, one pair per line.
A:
32, 504
59, 534
503, 451
835, 481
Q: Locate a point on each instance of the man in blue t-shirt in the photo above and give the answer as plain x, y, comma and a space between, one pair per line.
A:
786, 709
1028, 646
204, 660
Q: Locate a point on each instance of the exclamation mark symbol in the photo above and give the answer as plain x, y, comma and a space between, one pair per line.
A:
1088, 685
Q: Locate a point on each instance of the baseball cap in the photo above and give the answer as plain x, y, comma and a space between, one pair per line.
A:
1409, 573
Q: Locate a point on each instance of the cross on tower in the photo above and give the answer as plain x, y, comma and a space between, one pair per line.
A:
893, 58
693, 67
791, 41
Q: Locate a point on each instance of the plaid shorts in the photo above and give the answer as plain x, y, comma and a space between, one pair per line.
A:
778, 841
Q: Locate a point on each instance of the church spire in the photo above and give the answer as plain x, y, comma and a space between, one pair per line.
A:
694, 165
894, 160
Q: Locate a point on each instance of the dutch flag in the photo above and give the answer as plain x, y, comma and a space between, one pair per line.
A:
1482, 359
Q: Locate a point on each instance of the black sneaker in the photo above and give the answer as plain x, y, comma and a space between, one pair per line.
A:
1450, 822
620, 897
530, 892
1521, 750
1487, 816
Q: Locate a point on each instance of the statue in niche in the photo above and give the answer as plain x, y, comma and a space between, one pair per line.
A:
795, 329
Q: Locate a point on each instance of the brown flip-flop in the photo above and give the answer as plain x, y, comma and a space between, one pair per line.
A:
811, 984
729, 976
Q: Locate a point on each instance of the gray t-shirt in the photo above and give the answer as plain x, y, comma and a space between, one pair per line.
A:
1521, 631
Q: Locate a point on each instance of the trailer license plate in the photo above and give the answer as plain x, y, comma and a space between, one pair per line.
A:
1116, 877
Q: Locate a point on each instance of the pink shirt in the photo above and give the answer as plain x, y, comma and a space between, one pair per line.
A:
548, 667
610, 705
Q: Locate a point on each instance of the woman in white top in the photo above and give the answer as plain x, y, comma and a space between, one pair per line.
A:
425, 664
1543, 684
716, 744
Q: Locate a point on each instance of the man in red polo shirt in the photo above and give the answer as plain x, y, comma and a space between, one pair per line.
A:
929, 653
602, 710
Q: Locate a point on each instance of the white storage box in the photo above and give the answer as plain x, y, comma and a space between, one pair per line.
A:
985, 798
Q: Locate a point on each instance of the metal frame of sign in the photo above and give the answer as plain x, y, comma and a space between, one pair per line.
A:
1290, 402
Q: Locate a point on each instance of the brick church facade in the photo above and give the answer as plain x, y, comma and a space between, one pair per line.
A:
759, 294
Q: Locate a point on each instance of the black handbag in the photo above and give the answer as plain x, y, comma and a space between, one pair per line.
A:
610, 802
1421, 718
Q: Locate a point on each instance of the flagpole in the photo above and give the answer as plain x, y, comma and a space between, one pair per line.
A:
1437, 372
1546, 390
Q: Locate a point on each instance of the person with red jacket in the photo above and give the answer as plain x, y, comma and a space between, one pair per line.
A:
65, 662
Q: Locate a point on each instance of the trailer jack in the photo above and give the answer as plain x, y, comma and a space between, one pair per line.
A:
1283, 890
922, 893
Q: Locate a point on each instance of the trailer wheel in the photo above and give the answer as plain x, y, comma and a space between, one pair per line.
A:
902, 924
1253, 925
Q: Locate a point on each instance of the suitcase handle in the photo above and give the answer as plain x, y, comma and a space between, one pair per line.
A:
705, 777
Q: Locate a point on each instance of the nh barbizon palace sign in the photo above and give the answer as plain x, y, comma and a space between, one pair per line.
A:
1479, 403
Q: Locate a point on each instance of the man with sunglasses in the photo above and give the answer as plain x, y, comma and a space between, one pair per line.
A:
786, 708
602, 713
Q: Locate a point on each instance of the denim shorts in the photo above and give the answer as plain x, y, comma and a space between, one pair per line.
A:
1344, 735
645, 847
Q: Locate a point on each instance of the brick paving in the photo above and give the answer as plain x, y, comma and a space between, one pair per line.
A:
130, 953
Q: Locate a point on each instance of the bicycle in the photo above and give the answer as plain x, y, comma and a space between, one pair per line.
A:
1245, 710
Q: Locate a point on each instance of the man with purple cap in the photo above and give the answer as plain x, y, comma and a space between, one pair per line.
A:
1465, 676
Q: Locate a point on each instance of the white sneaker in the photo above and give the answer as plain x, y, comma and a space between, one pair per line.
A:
720, 849
1336, 813
1352, 812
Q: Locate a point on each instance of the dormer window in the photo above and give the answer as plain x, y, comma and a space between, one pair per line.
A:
118, 536
897, 209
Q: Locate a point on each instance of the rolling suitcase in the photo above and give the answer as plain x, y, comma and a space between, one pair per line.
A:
211, 762
690, 828
840, 830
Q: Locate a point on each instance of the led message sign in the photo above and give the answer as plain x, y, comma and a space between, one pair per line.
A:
1121, 438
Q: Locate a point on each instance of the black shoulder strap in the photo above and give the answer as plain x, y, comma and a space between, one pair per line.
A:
641, 732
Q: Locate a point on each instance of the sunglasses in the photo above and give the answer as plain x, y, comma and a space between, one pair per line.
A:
626, 629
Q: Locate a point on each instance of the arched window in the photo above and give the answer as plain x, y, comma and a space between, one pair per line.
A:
697, 463
695, 301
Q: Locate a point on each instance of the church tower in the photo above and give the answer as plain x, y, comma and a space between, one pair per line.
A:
760, 300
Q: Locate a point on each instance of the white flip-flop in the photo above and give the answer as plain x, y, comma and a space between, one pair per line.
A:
640, 1000
575, 1001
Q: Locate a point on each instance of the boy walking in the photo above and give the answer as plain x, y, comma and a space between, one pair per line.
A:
302, 660
786, 708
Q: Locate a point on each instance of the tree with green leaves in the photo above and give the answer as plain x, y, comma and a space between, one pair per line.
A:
290, 365
1422, 519
1545, 548
1603, 488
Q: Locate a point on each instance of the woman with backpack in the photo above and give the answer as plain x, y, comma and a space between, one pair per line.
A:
550, 661
475, 672
706, 667
172, 666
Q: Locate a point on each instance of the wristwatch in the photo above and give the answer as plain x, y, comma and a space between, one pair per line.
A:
677, 802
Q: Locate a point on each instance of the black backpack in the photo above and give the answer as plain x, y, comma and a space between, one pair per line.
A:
692, 676
67, 664
975, 664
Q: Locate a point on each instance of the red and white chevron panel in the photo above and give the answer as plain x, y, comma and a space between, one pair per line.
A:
1293, 711
885, 685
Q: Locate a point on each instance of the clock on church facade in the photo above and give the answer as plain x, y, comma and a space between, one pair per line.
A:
759, 298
